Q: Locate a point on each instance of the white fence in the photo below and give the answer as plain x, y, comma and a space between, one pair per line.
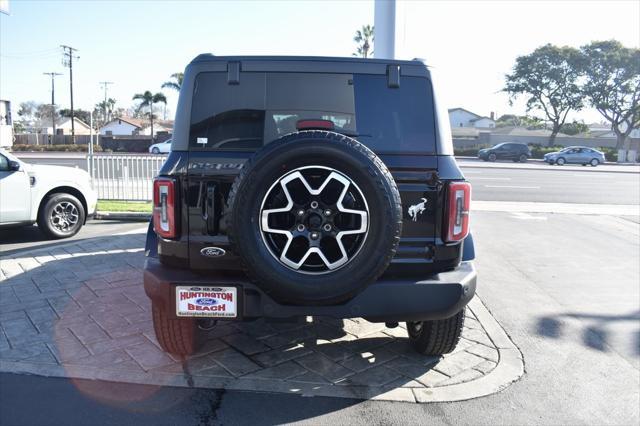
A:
124, 177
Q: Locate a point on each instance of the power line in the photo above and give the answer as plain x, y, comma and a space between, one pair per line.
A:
67, 61
53, 101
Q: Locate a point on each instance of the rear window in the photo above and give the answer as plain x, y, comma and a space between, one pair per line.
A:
266, 106
395, 120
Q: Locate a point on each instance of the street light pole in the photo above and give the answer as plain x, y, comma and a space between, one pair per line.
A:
384, 22
53, 102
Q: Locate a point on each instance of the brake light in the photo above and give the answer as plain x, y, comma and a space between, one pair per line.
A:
164, 207
315, 124
458, 204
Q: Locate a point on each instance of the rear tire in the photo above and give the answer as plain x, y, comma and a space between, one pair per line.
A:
178, 336
61, 216
436, 337
594, 162
370, 186
523, 158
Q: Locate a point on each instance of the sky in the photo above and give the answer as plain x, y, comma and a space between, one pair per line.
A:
137, 45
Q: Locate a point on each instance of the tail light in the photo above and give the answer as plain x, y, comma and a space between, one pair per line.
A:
164, 207
458, 203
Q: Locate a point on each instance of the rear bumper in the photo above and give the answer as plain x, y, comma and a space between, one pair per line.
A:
437, 297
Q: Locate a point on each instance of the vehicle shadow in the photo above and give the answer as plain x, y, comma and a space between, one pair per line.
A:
595, 335
33, 234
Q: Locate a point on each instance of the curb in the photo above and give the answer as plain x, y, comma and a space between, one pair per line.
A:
509, 369
131, 216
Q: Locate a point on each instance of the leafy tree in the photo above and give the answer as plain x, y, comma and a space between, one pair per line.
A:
80, 114
103, 112
27, 110
45, 112
511, 120
548, 77
178, 77
574, 128
147, 99
364, 38
612, 84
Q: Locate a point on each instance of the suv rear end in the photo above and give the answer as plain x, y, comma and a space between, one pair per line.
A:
403, 256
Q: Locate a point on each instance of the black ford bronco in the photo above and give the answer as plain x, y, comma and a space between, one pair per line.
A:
305, 186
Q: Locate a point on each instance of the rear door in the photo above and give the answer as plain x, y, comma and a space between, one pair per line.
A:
231, 121
398, 124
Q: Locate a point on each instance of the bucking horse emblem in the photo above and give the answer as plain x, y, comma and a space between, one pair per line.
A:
417, 209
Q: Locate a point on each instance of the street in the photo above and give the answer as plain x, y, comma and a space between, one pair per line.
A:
17, 238
563, 286
553, 186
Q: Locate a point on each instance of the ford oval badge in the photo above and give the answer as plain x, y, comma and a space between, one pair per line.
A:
213, 252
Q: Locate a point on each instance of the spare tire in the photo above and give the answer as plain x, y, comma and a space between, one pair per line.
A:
315, 216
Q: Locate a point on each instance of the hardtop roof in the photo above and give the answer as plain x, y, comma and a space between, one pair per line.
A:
209, 57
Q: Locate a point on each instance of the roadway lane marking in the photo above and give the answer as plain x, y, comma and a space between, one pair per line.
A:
563, 208
512, 186
525, 216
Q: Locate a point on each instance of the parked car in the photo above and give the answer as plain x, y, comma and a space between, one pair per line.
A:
297, 191
161, 147
59, 199
506, 151
575, 155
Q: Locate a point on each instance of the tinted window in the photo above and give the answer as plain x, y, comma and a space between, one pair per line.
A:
395, 119
4, 163
265, 106
227, 116
297, 96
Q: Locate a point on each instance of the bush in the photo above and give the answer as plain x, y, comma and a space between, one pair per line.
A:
54, 148
466, 152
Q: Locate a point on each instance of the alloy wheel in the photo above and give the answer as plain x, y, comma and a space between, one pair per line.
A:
314, 219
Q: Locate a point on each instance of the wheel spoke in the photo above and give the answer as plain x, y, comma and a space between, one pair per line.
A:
320, 223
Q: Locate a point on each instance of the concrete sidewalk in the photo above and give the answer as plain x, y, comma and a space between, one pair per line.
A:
79, 311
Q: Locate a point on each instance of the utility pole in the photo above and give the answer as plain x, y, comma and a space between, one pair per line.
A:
105, 85
68, 62
53, 103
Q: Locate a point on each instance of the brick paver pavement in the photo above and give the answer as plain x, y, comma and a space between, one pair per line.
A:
79, 310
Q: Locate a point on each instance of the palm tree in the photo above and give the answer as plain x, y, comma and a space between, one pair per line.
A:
147, 99
364, 38
177, 84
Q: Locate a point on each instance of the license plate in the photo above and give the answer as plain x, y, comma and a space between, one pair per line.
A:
216, 302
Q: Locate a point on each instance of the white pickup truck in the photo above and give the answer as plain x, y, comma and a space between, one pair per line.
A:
58, 198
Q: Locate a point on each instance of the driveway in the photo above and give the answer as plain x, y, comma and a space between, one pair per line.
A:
79, 310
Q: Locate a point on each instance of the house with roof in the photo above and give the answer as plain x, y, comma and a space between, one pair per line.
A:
460, 117
122, 126
63, 126
127, 126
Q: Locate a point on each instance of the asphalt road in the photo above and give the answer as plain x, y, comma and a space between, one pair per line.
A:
553, 186
13, 239
501, 181
564, 287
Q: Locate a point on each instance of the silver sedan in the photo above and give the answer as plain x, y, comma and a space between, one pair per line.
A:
575, 155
